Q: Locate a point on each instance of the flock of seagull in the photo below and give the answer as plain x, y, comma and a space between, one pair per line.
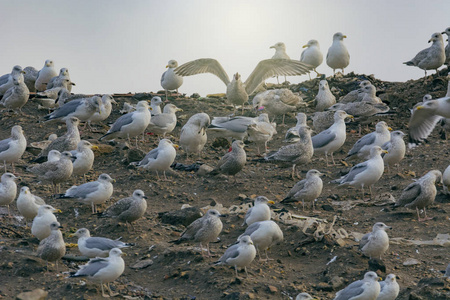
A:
69, 156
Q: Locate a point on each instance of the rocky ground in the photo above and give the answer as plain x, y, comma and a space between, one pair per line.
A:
158, 269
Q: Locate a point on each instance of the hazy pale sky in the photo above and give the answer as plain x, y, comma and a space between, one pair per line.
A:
116, 46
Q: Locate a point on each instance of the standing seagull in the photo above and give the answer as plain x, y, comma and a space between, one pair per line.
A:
193, 134
93, 246
292, 133
105, 109
264, 235
155, 105
420, 193
203, 230
8, 190
389, 288
41, 223
83, 158
12, 149
232, 162
312, 55
164, 123
375, 243
52, 248
259, 212
169, 79
62, 80
28, 204
239, 255
324, 97
6, 81
430, 58
131, 124
82, 108
332, 139
396, 149
308, 189
280, 53
237, 91
366, 289
337, 56
103, 270
44, 76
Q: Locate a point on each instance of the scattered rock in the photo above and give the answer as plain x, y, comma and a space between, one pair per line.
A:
142, 264
411, 262
37, 294
273, 289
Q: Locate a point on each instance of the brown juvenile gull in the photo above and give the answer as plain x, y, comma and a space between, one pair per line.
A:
430, 58
16, 96
8, 190
52, 248
292, 133
93, 193
369, 94
396, 149
103, 270
237, 91
308, 189
56, 171
83, 158
82, 108
160, 158
12, 149
170, 80
375, 243
389, 288
28, 204
239, 255
193, 134
203, 230
363, 146
333, 138
446, 180
128, 210
232, 162
259, 212
420, 193
44, 75
425, 117
312, 55
322, 120
91, 246
41, 223
337, 56
165, 122
355, 95
361, 108
67, 142
324, 97
264, 235
366, 173
365, 289
294, 154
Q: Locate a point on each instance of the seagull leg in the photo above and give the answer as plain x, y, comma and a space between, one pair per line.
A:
426, 218
93, 208
111, 292
332, 158
103, 291
235, 270
245, 268
326, 159
303, 204
167, 96
165, 178
4, 164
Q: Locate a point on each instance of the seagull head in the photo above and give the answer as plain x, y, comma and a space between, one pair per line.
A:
339, 36
82, 232
172, 64
435, 37
380, 226
48, 63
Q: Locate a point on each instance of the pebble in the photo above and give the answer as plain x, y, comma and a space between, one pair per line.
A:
37, 294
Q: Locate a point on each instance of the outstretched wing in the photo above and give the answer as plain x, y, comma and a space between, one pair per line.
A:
203, 65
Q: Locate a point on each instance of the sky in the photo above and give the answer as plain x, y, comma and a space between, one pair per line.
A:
116, 46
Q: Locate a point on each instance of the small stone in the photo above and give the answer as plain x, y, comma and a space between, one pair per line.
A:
273, 289
341, 242
411, 262
37, 294
195, 96
337, 282
142, 264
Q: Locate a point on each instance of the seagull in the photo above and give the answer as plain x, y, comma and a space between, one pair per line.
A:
105, 109
361, 109
128, 210
366, 173
82, 108
337, 56
259, 212
203, 230
91, 247
280, 53
239, 255
432, 57
446, 180
366, 289
103, 270
261, 132
12, 149
164, 123
193, 134
54, 92
420, 193
52, 248
363, 146
425, 117
304, 296
332, 139
324, 97
170, 80
7, 80
237, 91
312, 55
369, 94
294, 154
308, 189
41, 223
17, 95
160, 158
447, 48
30, 77
396, 149
322, 120
131, 124
83, 158
264, 235
8, 190
375, 243
28, 204
44, 76
62, 80
94, 192
234, 127
355, 95
232, 162
155, 103
389, 288
292, 133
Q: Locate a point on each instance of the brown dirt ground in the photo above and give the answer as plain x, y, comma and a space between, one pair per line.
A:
299, 265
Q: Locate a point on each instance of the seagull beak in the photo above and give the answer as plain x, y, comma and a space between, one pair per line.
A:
73, 83
176, 146
145, 197
304, 46
389, 128
271, 202
60, 226
95, 147
344, 36
419, 107
271, 47
167, 66
58, 211
384, 151
350, 116
179, 109
71, 235
113, 101
23, 72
